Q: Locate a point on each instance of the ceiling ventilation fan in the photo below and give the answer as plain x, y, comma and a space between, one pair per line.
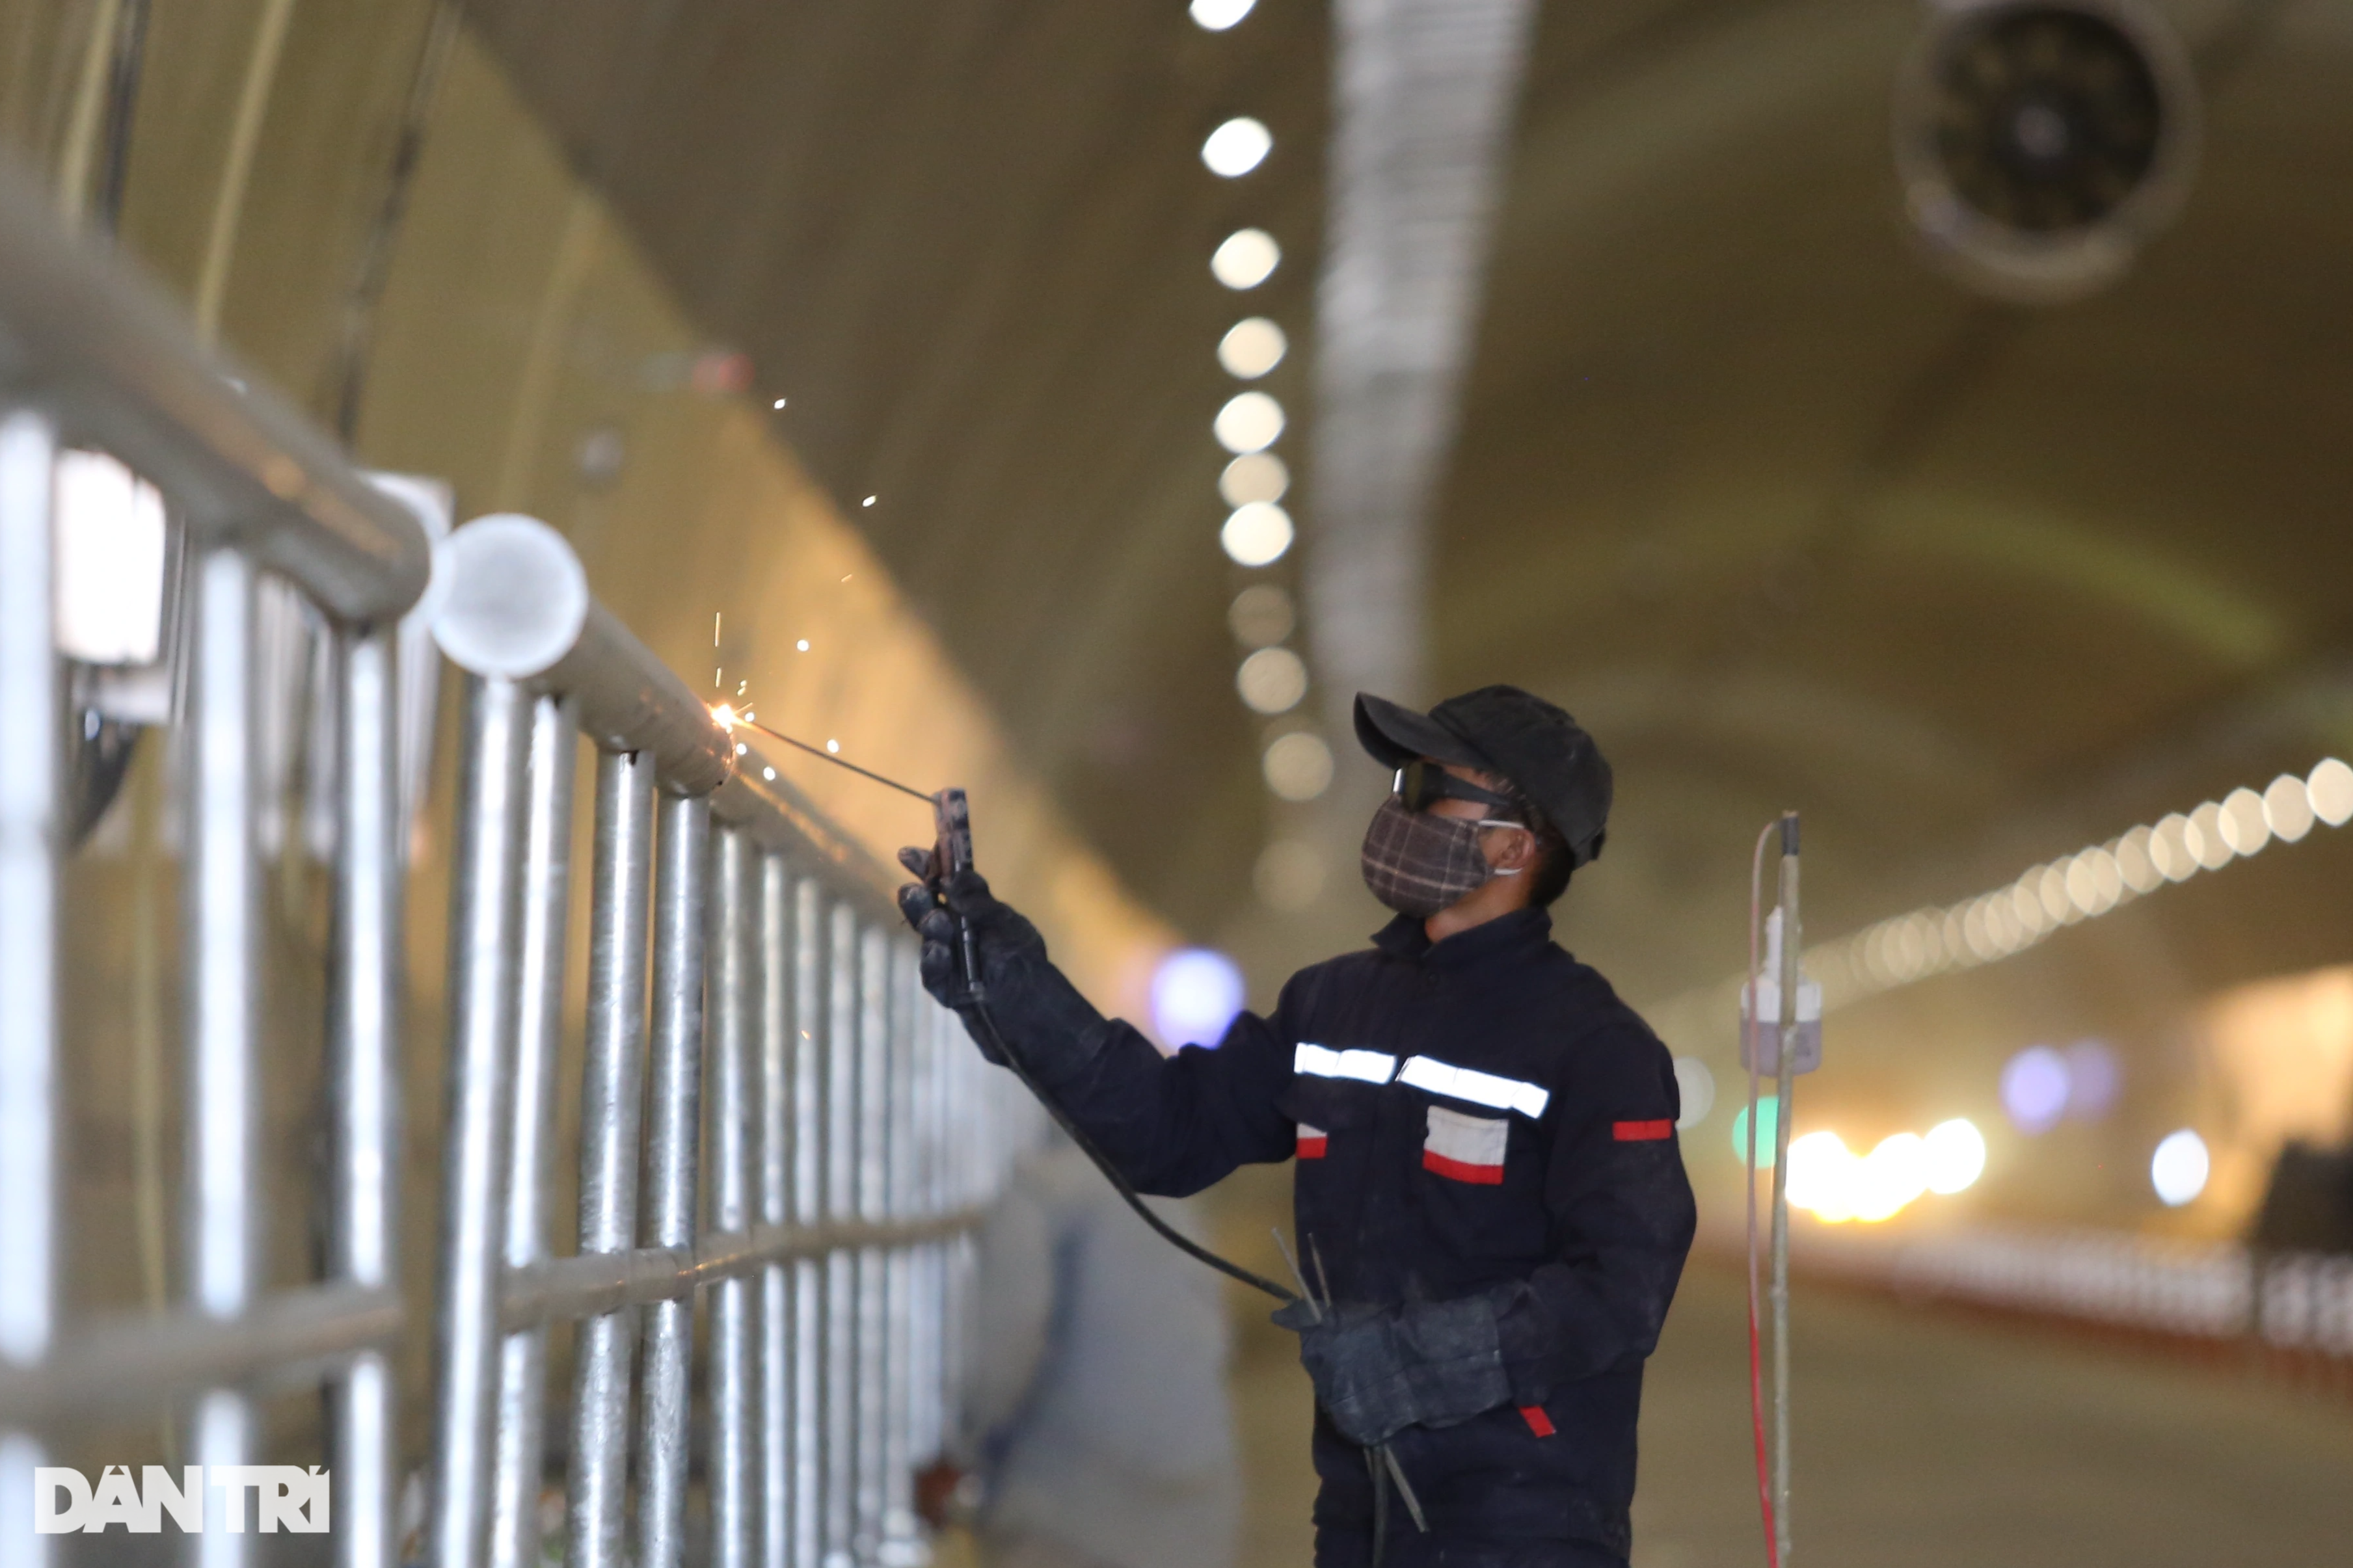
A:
2043, 142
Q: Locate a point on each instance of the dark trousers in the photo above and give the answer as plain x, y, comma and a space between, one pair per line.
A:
1408, 1548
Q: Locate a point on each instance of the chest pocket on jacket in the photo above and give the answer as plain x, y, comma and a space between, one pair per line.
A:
1464, 1148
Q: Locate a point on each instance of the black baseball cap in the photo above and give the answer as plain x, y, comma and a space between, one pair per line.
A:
1504, 730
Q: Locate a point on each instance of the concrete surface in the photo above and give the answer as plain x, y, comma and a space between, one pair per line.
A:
1924, 1440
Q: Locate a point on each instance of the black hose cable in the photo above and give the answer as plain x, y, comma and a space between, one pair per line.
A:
1377, 1457
1120, 1184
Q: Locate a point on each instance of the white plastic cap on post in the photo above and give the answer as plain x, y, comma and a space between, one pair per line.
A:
509, 596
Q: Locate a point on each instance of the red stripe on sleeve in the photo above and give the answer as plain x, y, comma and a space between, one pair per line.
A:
1538, 1422
1312, 1148
1641, 1132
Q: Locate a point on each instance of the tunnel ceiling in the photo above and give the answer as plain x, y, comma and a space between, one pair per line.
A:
1786, 515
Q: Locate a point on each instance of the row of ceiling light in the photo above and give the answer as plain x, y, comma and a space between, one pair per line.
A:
1258, 532
2046, 899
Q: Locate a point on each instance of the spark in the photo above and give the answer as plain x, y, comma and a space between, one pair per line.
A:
742, 684
868, 502
724, 714
714, 628
833, 746
802, 644
780, 403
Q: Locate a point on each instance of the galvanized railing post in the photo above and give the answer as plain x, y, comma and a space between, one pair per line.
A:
873, 1206
840, 1095
681, 883
485, 963
539, 1038
223, 943
775, 1091
734, 1470
899, 1279
810, 1163
30, 843
364, 1047
611, 1096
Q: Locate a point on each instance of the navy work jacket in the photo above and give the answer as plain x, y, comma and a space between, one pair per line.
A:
1482, 1116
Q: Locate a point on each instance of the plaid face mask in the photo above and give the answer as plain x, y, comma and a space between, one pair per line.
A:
1418, 864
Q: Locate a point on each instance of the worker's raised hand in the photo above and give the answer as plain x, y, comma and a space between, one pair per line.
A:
1378, 1370
1038, 1010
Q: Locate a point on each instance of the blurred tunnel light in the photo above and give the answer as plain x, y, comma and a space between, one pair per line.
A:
2330, 787
2093, 1077
1261, 616
1251, 347
1955, 1153
1250, 421
1272, 680
1822, 1176
2133, 862
1216, 16
2179, 1169
1258, 475
2034, 1089
1196, 992
1767, 1120
1256, 534
2287, 807
1237, 147
1696, 1084
2246, 827
2043, 900
2214, 850
1890, 1178
1298, 766
1834, 1185
1245, 258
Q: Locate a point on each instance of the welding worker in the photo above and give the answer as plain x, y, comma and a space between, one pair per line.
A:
1489, 1196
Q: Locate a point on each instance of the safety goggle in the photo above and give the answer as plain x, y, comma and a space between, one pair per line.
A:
1419, 782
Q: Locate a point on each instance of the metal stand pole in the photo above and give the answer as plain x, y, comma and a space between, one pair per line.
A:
1786, 1058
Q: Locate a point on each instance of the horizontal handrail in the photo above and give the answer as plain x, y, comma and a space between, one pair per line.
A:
84, 335
517, 605
126, 1367
593, 1283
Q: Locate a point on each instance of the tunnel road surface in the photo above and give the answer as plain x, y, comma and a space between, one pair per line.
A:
1924, 1439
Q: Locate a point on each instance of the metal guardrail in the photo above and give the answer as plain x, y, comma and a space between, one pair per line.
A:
749, 992
2220, 1291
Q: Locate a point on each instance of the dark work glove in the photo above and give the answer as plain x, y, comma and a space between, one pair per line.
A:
1055, 1031
1378, 1370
